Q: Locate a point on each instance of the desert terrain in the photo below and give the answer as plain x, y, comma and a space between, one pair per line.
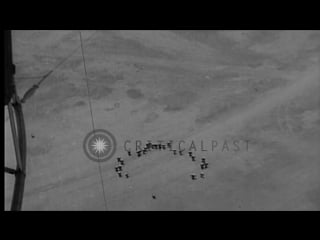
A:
258, 88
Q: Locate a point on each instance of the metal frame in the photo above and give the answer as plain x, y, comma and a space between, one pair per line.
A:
17, 125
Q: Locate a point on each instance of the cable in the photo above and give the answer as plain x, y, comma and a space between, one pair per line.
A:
31, 91
92, 121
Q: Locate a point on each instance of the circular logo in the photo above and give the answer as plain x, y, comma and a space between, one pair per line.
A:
99, 145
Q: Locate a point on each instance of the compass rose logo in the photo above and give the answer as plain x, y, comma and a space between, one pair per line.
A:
99, 145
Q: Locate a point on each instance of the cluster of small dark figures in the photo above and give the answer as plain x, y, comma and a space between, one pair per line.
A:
120, 167
151, 146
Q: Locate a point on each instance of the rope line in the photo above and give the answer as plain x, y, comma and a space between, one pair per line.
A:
30, 92
66, 58
92, 121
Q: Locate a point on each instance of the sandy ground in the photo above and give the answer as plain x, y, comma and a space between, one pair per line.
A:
196, 86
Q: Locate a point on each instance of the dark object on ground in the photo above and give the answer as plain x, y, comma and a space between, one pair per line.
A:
127, 175
193, 177
119, 174
129, 153
193, 158
154, 197
202, 175
181, 152
203, 160
118, 168
204, 165
174, 152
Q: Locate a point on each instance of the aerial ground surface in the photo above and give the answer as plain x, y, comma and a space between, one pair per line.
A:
200, 86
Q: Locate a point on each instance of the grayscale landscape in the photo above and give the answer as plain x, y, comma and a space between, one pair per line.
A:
259, 88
